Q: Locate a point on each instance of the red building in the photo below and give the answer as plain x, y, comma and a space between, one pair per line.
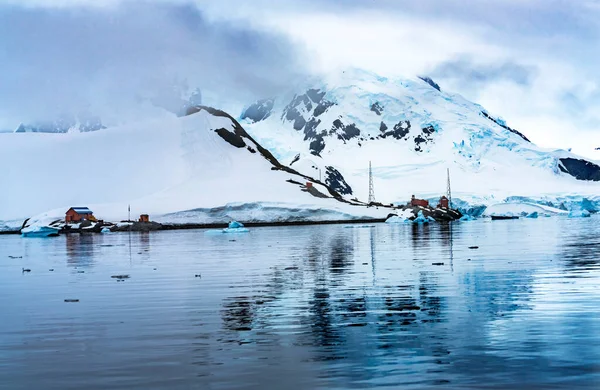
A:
78, 214
444, 203
418, 202
144, 218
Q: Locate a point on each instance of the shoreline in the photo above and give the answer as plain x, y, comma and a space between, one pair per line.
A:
200, 226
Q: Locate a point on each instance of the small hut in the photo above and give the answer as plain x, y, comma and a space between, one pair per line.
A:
414, 202
444, 203
144, 218
78, 214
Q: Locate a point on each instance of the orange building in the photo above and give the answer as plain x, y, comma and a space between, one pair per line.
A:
144, 218
418, 202
78, 214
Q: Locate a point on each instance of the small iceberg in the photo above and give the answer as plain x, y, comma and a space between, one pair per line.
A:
40, 231
423, 219
105, 230
234, 227
535, 214
396, 219
579, 214
466, 217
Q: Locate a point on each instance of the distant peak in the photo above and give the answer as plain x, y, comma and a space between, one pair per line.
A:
430, 81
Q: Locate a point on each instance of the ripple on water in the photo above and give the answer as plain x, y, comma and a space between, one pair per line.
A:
306, 307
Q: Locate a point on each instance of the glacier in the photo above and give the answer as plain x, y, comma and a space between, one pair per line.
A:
412, 132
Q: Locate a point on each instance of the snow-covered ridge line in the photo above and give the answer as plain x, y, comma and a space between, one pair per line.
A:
201, 161
412, 132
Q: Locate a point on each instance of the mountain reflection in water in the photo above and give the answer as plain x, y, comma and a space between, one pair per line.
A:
306, 307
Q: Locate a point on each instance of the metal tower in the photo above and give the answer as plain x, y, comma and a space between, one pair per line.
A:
449, 191
371, 188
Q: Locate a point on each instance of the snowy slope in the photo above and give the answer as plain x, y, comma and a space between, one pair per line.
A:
182, 167
412, 132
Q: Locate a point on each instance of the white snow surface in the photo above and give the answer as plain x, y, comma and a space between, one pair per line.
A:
521, 209
163, 167
488, 163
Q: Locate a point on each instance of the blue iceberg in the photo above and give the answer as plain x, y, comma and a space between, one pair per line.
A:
579, 214
235, 225
535, 214
422, 219
466, 217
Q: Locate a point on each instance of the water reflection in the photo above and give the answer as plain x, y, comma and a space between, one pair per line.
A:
325, 307
80, 249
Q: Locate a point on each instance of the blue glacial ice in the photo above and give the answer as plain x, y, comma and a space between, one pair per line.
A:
579, 214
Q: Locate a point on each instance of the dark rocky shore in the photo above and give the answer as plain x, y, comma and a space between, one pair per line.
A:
88, 227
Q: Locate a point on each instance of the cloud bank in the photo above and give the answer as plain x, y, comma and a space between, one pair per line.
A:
105, 60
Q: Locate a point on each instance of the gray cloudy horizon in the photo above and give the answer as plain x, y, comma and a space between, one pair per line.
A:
532, 62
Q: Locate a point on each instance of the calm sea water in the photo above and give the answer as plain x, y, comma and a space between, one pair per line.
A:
306, 308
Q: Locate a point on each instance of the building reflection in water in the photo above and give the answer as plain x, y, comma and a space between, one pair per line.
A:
80, 249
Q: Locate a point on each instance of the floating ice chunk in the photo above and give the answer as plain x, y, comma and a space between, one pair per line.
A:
105, 230
535, 214
579, 214
423, 219
235, 225
236, 230
467, 217
397, 219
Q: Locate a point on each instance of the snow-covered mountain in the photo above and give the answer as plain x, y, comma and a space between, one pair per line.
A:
412, 131
201, 168
64, 124
208, 167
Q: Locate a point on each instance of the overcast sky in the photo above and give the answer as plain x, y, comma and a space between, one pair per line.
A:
532, 62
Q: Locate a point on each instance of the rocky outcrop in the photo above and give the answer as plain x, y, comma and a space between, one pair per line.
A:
259, 111
429, 81
503, 125
580, 169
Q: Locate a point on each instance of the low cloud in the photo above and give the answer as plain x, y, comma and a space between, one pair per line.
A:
467, 72
105, 60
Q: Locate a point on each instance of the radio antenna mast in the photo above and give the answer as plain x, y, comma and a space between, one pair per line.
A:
449, 190
371, 188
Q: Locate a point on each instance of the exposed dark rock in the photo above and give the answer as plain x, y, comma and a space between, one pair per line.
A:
428, 130
315, 95
295, 159
292, 113
259, 111
496, 121
322, 107
429, 81
299, 122
310, 131
377, 108
383, 127
401, 130
230, 137
317, 145
424, 138
418, 141
580, 169
335, 180
251, 150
